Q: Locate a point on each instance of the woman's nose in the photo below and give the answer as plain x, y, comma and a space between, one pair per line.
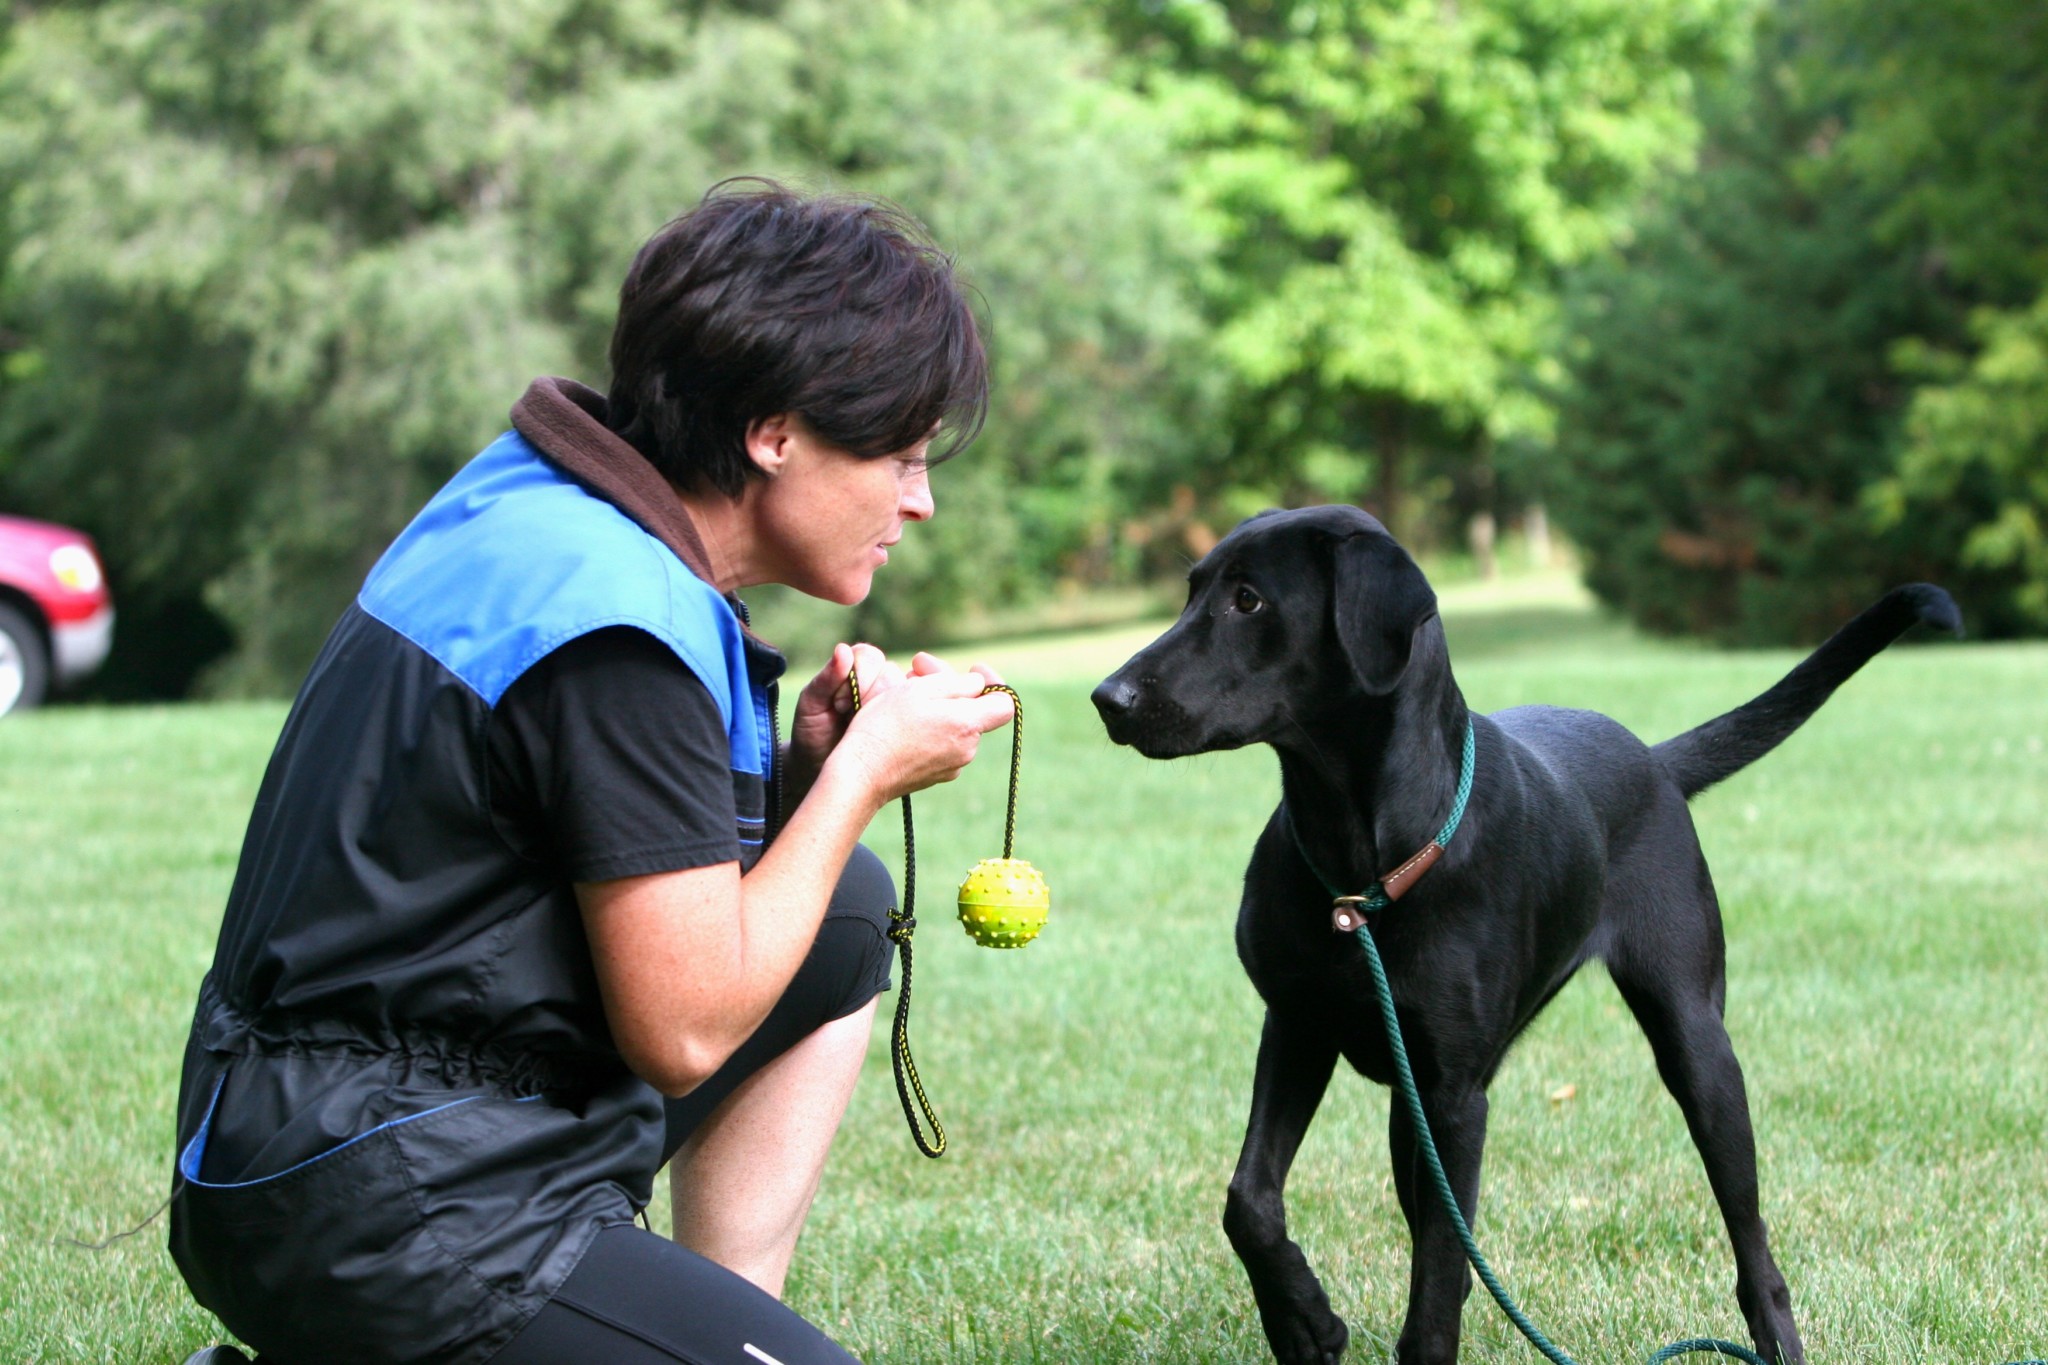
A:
917, 502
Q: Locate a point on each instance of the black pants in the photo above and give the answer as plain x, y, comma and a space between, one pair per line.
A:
639, 1299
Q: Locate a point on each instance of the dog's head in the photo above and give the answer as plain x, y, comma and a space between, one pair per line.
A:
1292, 614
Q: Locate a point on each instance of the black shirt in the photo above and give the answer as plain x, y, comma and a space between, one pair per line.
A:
608, 758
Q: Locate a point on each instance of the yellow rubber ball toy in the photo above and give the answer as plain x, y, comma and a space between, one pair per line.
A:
1003, 903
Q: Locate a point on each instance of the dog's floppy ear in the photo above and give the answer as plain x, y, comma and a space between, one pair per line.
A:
1379, 599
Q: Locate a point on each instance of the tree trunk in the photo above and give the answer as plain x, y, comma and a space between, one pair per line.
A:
1538, 523
1391, 451
1480, 531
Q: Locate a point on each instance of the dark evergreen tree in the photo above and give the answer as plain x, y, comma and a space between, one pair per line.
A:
1732, 396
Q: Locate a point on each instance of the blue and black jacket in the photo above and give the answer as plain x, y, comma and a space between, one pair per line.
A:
402, 1016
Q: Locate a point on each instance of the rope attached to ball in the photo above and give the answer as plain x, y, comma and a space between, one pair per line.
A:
1003, 904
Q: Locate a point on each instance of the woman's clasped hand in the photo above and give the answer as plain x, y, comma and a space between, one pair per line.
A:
914, 728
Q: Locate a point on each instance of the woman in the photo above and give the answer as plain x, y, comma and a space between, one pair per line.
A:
530, 902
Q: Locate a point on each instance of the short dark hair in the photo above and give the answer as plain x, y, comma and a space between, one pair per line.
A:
762, 301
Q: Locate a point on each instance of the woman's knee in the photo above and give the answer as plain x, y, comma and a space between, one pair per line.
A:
865, 890
850, 961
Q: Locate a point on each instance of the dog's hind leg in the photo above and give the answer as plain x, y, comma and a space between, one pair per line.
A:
1697, 1062
1438, 1281
1293, 1072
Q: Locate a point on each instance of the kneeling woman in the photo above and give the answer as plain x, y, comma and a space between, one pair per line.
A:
533, 899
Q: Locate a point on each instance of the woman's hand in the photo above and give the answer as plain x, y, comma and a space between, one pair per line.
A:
826, 704
690, 962
921, 729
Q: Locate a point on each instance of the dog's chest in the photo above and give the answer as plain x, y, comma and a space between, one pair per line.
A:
1454, 985
1317, 980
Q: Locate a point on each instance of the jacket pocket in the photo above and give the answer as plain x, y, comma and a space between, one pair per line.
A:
329, 1260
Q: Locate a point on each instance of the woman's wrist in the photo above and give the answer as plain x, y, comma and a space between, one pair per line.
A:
799, 774
849, 776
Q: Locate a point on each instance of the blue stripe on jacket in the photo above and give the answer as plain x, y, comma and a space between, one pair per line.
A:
514, 558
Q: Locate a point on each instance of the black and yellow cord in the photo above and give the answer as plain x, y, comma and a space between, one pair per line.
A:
903, 923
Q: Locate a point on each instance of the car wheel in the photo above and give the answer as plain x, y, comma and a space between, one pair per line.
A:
24, 662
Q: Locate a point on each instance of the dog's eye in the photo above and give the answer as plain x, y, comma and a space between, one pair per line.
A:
1248, 601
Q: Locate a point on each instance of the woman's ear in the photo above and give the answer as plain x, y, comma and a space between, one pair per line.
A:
1378, 600
769, 441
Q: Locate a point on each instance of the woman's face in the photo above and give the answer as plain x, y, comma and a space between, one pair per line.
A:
825, 518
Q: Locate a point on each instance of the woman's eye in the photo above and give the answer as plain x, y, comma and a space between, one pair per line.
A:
1248, 601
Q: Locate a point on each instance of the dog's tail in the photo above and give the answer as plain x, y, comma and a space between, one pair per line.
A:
1729, 743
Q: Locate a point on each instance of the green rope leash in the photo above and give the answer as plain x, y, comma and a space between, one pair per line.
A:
1375, 898
1465, 769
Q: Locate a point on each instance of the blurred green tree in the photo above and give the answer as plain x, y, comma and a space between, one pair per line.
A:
1733, 398
1951, 127
1781, 402
269, 272
1396, 187
1975, 465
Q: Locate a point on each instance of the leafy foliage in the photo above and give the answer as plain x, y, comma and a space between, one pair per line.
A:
269, 272
1395, 186
1952, 117
1732, 396
1777, 407
275, 270
1976, 463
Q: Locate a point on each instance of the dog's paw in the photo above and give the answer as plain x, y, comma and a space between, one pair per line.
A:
1782, 1348
1309, 1339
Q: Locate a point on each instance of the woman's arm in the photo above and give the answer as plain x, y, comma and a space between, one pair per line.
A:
690, 962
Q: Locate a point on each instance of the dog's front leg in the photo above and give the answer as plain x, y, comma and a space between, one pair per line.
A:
1438, 1281
1294, 1070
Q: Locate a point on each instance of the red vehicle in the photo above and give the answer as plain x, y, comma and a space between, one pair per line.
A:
56, 617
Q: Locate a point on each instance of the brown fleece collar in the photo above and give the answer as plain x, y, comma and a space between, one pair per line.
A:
564, 420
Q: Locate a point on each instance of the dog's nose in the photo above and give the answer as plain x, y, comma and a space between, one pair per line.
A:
1114, 697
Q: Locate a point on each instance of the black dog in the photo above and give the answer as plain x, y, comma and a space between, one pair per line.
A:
1314, 632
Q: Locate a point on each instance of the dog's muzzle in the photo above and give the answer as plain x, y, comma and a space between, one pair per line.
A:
1116, 701
1135, 714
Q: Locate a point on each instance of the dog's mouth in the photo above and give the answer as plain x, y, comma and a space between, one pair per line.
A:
1153, 744
1156, 727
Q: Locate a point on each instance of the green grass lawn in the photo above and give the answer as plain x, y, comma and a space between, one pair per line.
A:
1881, 877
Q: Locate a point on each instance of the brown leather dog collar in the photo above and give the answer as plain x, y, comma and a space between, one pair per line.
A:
1348, 912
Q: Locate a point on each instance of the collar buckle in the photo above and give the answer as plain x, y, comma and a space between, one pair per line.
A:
1347, 913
